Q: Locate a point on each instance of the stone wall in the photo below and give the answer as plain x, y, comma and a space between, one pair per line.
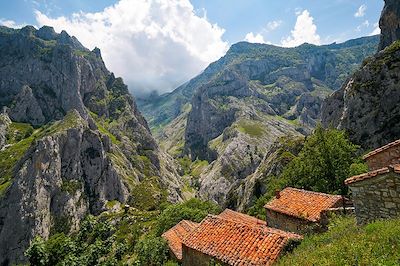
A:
287, 223
191, 257
376, 198
384, 158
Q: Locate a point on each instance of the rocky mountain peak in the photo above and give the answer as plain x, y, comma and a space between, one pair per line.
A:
390, 23
46, 33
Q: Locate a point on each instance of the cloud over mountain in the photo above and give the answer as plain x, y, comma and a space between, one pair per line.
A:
152, 44
304, 31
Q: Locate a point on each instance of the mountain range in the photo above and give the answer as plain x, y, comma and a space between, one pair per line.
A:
74, 142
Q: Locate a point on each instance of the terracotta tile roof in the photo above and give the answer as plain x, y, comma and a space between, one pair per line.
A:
381, 149
241, 218
384, 170
237, 243
302, 204
176, 234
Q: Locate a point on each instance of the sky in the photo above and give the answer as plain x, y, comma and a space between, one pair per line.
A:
156, 45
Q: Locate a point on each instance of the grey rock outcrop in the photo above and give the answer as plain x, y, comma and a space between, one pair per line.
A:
390, 23
62, 178
367, 104
4, 123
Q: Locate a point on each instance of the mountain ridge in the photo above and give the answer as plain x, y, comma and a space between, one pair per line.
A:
71, 141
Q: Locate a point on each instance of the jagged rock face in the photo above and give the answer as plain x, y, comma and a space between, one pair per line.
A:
59, 181
390, 23
256, 185
4, 123
91, 145
367, 106
236, 118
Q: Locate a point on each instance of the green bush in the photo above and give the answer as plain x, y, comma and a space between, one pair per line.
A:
151, 251
194, 210
36, 253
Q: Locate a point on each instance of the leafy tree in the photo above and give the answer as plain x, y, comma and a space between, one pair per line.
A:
152, 251
324, 162
36, 253
58, 247
194, 210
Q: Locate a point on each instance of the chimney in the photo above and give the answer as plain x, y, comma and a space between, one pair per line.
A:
277, 194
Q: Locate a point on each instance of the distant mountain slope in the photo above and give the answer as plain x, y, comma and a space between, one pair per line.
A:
72, 141
337, 61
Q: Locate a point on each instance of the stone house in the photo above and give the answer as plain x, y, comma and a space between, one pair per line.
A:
301, 211
231, 238
376, 194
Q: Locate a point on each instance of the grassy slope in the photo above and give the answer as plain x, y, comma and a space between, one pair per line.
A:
345, 243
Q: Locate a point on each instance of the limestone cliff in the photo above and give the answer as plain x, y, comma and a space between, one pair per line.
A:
266, 93
390, 23
71, 140
367, 104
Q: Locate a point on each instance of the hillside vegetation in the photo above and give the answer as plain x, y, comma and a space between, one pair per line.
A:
345, 243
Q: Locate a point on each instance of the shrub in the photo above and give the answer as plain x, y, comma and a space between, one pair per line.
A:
194, 210
151, 251
36, 253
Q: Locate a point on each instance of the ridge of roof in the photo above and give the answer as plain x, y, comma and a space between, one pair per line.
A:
381, 149
372, 174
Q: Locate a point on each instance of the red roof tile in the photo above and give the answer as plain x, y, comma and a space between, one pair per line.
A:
176, 234
369, 175
383, 148
238, 243
303, 204
238, 217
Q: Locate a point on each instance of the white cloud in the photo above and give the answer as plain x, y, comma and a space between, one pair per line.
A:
273, 25
305, 31
376, 30
258, 37
254, 38
152, 44
11, 24
361, 11
365, 24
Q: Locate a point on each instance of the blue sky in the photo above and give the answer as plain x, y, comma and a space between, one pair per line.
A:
159, 44
335, 19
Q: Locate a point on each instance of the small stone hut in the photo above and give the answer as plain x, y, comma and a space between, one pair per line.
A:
301, 211
234, 239
376, 194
